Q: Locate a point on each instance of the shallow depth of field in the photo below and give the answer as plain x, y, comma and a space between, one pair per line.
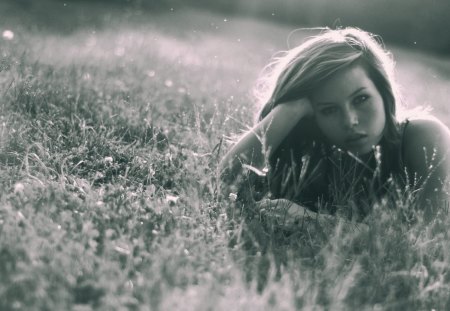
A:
112, 123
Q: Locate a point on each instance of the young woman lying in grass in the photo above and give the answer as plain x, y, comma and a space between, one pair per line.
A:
329, 137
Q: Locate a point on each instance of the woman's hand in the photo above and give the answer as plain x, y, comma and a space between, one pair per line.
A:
287, 213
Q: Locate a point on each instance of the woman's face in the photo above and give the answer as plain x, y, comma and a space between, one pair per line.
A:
349, 110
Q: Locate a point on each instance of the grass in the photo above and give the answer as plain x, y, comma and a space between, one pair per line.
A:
111, 133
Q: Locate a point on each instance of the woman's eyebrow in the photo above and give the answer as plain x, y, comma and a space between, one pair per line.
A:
351, 95
357, 91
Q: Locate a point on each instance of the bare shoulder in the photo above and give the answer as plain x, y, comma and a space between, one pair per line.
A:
426, 132
424, 139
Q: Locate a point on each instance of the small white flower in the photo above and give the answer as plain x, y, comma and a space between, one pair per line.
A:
19, 187
108, 159
233, 197
171, 199
8, 35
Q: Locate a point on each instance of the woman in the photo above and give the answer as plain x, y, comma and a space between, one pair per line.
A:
329, 136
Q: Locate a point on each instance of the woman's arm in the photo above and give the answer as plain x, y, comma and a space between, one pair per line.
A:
256, 146
427, 157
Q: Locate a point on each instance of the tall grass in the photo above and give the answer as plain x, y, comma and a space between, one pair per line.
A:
109, 147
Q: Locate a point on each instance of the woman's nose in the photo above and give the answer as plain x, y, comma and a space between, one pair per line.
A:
350, 118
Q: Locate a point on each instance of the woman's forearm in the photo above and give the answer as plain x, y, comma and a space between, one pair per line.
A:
257, 145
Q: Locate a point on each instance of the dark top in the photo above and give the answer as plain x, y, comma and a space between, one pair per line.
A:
320, 177
306, 170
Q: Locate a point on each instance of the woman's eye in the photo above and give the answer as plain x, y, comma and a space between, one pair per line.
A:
328, 111
360, 99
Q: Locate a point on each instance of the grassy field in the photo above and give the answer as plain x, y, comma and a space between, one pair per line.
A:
112, 126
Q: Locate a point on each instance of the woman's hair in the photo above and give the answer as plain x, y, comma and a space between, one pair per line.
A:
304, 68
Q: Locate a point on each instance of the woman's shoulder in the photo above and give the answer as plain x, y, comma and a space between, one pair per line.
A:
425, 138
425, 131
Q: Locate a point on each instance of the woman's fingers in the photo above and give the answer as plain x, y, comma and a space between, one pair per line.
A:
286, 212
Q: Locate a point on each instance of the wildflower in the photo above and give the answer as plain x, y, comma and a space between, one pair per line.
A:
171, 199
108, 160
19, 187
8, 35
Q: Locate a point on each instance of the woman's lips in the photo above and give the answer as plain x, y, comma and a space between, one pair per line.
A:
356, 139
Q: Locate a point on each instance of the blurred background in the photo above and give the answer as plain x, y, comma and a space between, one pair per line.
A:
416, 24
412, 23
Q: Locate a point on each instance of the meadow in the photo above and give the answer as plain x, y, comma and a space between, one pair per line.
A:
112, 124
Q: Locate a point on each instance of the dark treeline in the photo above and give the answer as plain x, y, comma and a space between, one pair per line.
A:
412, 23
